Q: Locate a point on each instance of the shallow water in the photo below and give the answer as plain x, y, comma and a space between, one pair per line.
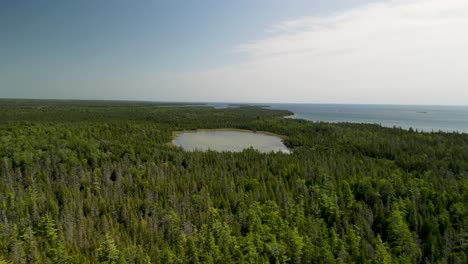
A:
225, 140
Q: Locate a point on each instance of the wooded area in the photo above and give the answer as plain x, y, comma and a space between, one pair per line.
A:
87, 182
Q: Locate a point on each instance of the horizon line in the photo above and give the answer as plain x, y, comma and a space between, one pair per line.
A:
224, 102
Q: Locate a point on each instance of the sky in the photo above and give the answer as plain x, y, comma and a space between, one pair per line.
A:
296, 51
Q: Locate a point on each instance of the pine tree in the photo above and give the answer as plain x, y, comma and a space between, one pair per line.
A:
108, 252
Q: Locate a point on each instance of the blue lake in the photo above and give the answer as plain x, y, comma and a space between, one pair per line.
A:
421, 117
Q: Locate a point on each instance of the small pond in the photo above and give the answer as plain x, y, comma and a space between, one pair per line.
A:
229, 140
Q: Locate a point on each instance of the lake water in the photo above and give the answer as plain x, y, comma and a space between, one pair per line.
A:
226, 140
422, 118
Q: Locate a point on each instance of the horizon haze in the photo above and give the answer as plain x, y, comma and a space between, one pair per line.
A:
334, 52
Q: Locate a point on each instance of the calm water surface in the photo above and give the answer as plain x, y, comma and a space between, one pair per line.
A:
420, 117
223, 140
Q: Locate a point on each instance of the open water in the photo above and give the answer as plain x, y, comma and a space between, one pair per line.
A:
427, 118
420, 117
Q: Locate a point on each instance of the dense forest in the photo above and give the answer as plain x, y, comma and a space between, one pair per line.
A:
97, 182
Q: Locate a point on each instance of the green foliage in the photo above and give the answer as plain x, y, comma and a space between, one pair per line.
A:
108, 252
3, 261
87, 182
382, 255
400, 238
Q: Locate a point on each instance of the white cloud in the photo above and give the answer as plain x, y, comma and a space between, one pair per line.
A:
411, 51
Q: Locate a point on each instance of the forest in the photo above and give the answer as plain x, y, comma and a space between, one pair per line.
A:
97, 182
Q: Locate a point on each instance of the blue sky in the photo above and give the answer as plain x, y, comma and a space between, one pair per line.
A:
215, 50
166, 35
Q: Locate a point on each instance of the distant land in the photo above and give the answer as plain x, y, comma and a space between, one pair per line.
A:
425, 118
